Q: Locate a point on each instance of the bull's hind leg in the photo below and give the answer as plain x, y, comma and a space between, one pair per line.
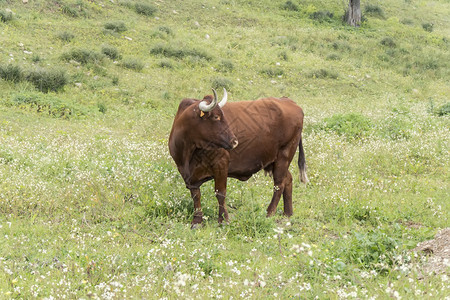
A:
198, 214
279, 173
287, 195
282, 180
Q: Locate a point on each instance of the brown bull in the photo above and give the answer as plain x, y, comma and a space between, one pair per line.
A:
211, 140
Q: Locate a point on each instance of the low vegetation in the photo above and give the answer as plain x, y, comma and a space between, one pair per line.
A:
92, 205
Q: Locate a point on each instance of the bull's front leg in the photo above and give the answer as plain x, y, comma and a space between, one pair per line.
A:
198, 214
220, 185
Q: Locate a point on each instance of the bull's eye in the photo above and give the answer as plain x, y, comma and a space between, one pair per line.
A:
216, 118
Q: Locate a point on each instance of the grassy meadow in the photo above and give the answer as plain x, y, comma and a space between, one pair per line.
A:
92, 205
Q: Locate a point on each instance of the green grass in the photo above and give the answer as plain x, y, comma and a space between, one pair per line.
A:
92, 205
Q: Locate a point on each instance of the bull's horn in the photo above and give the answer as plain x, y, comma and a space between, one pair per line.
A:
224, 99
208, 107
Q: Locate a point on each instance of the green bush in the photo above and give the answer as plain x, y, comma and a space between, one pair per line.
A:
133, 64
65, 36
221, 82
5, 16
428, 27
396, 128
443, 110
166, 64
11, 72
116, 26
333, 56
374, 250
180, 53
83, 56
41, 103
145, 9
374, 10
272, 71
289, 5
350, 125
110, 51
388, 42
323, 73
322, 16
165, 29
341, 46
283, 55
225, 66
70, 11
46, 80
36, 58
102, 107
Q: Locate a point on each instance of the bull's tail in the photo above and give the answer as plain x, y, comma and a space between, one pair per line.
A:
302, 163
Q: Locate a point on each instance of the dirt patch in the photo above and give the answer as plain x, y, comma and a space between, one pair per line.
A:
438, 250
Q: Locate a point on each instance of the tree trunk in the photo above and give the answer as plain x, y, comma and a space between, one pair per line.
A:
353, 15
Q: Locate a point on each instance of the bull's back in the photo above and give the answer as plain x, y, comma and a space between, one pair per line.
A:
263, 128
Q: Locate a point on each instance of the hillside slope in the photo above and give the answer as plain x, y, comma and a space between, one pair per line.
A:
91, 203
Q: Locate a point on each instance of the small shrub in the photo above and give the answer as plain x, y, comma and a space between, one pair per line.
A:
49, 104
102, 107
221, 82
374, 10
341, 46
110, 51
443, 110
116, 26
323, 73
427, 62
145, 9
115, 80
428, 27
350, 125
5, 16
288, 41
36, 58
407, 21
388, 42
65, 36
11, 72
289, 5
272, 71
133, 64
375, 250
396, 128
322, 16
180, 53
166, 64
83, 56
333, 56
165, 29
70, 11
47, 80
225, 66
284, 56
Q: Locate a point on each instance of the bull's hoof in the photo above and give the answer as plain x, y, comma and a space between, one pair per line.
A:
196, 225
288, 214
223, 223
270, 214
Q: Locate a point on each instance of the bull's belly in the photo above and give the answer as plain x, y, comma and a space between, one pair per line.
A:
243, 167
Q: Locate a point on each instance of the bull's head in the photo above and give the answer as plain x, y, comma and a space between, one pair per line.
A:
214, 127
